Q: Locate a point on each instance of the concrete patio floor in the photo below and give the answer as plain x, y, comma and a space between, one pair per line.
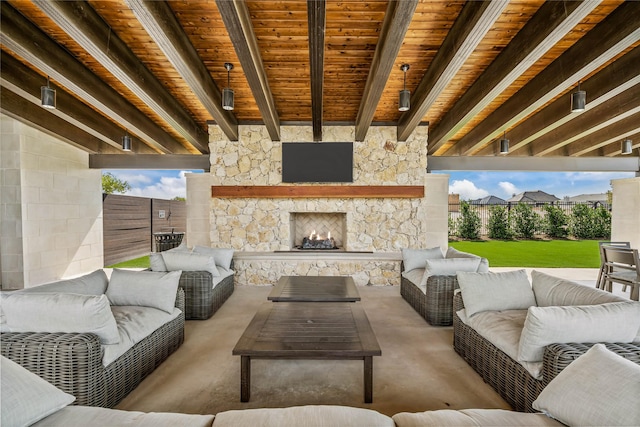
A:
418, 369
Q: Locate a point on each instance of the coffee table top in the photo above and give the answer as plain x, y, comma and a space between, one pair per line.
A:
315, 289
308, 330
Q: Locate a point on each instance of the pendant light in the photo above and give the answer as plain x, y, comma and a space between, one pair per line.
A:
404, 97
504, 144
626, 147
578, 100
126, 142
48, 96
227, 92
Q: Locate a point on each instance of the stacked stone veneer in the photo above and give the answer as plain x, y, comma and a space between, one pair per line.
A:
372, 224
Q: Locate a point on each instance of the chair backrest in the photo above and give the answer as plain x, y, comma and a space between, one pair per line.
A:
615, 244
621, 258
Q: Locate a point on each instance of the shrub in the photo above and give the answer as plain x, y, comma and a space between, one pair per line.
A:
590, 223
469, 222
499, 223
602, 223
555, 222
452, 226
525, 221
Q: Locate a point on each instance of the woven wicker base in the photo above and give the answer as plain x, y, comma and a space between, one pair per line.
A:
436, 306
201, 300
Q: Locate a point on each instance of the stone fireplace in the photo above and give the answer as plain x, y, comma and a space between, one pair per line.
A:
324, 224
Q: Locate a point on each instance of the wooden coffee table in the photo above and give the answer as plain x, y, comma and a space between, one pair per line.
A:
308, 330
315, 289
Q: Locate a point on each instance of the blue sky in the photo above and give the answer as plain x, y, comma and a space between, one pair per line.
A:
167, 184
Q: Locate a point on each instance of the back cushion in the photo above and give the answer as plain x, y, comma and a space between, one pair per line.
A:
550, 291
416, 258
58, 312
188, 261
222, 256
453, 253
144, 288
90, 284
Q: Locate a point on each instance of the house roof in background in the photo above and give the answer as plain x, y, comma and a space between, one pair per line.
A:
489, 200
533, 196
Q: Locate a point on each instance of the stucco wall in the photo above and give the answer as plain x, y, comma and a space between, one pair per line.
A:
51, 208
625, 213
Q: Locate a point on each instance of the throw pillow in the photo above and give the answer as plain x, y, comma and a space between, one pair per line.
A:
599, 388
448, 267
495, 291
550, 290
610, 322
144, 288
187, 261
415, 258
222, 256
58, 312
27, 398
94, 283
156, 262
454, 253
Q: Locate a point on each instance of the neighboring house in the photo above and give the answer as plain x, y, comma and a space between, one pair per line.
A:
598, 199
533, 197
488, 200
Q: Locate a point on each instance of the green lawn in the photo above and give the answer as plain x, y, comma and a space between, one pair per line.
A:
142, 262
535, 253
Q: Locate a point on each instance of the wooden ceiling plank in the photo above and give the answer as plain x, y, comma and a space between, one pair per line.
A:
150, 161
237, 20
548, 26
473, 23
161, 24
394, 27
30, 43
26, 83
589, 122
316, 12
616, 132
608, 83
603, 43
86, 27
615, 149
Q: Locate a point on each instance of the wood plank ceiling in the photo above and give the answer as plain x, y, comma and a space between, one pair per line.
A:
479, 70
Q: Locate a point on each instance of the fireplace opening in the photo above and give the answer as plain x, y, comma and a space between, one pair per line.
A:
318, 231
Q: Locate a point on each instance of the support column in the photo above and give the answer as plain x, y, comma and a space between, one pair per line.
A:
198, 209
436, 189
625, 214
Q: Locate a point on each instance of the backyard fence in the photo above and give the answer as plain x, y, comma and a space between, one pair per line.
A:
484, 212
130, 223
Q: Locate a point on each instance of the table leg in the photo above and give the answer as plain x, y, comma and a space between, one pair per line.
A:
368, 379
245, 378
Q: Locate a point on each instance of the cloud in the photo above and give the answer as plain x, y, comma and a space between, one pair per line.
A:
166, 188
508, 188
467, 190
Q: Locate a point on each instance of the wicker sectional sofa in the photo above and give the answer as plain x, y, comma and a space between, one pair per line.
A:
79, 363
433, 298
509, 377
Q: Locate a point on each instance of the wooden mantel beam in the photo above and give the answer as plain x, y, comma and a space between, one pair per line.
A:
317, 191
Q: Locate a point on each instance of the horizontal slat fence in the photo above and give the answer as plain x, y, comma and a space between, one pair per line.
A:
129, 223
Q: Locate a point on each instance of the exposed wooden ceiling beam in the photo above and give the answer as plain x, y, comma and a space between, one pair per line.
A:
161, 24
605, 136
605, 41
316, 18
30, 43
237, 20
603, 86
589, 122
548, 26
21, 80
533, 164
152, 161
475, 19
83, 24
396, 22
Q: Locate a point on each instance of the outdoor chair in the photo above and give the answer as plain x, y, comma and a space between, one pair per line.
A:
601, 273
622, 266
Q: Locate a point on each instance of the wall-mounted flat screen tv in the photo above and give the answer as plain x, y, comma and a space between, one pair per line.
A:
317, 162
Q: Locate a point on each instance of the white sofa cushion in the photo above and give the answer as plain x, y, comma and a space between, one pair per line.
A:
454, 253
472, 418
310, 415
60, 312
495, 291
73, 416
189, 261
134, 324
610, 322
222, 256
450, 266
145, 288
94, 283
156, 262
27, 398
550, 291
599, 388
416, 258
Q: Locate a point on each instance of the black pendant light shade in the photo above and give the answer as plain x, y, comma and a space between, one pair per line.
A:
48, 96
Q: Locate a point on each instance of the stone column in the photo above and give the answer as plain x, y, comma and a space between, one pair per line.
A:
625, 214
198, 209
436, 189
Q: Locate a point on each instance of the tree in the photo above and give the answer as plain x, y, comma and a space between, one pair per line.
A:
180, 199
525, 221
469, 225
111, 184
555, 222
499, 224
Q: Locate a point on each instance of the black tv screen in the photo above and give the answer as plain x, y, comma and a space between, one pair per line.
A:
317, 162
